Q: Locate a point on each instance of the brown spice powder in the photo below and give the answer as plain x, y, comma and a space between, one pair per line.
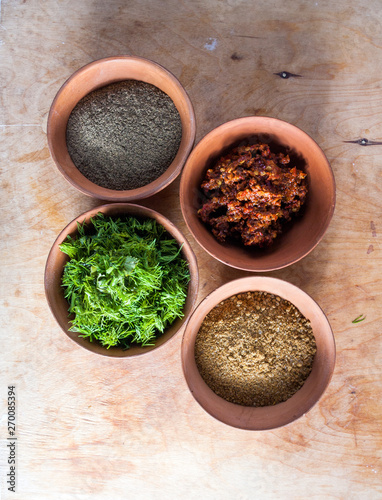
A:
255, 349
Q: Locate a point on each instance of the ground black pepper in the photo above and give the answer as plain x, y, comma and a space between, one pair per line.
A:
255, 349
124, 135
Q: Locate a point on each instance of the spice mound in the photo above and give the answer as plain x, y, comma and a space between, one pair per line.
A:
250, 193
124, 135
255, 349
125, 282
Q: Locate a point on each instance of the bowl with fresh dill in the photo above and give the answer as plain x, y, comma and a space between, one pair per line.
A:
121, 280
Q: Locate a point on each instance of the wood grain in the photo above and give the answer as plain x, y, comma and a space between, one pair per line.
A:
91, 427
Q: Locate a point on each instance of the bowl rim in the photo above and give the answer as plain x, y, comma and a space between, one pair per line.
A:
107, 194
171, 228
215, 132
267, 284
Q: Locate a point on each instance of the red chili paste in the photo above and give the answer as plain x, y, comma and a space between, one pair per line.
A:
250, 193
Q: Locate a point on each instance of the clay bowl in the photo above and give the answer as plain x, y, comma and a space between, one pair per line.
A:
57, 260
267, 417
301, 236
99, 74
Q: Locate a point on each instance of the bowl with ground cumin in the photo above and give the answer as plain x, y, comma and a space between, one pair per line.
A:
257, 193
258, 353
121, 128
121, 280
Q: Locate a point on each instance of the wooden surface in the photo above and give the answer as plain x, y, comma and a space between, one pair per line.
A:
91, 427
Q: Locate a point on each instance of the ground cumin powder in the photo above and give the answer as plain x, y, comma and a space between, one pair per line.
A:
124, 135
255, 349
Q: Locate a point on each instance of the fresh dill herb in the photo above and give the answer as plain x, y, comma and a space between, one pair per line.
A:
125, 280
360, 318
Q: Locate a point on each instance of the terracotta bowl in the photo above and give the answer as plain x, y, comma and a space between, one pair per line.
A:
307, 229
99, 74
267, 417
57, 260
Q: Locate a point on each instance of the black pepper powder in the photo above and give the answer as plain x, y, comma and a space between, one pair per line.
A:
255, 349
124, 135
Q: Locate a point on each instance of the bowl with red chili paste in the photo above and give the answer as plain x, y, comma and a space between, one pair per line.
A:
121, 128
257, 193
258, 353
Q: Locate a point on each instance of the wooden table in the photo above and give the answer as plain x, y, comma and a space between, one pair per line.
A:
99, 428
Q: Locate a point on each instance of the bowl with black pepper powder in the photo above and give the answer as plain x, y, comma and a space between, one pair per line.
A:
258, 353
257, 193
121, 128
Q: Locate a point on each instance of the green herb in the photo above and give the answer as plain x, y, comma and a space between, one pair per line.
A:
125, 282
360, 318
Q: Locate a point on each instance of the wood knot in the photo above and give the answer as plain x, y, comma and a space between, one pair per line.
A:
285, 75
364, 142
235, 57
